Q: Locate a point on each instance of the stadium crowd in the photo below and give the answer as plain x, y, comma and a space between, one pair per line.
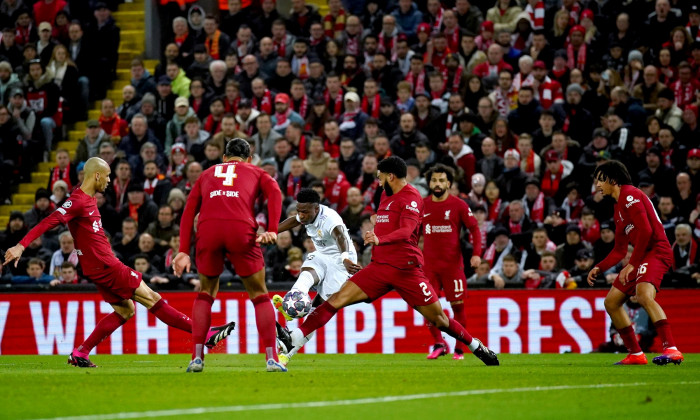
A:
522, 98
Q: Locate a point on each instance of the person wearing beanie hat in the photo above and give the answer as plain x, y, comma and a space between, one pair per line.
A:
574, 116
635, 55
574, 87
667, 111
511, 182
577, 51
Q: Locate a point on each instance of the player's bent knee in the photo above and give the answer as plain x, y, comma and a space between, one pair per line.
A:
440, 320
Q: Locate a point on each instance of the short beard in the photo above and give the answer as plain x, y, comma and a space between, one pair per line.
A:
437, 193
387, 189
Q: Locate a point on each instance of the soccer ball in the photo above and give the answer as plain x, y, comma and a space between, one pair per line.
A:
296, 304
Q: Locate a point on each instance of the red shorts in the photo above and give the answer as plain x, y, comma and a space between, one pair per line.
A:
452, 282
651, 270
117, 284
219, 239
413, 286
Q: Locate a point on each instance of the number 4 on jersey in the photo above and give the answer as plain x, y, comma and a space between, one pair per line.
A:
228, 176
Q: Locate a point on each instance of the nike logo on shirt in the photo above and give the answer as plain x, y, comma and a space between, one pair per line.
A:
428, 298
91, 212
458, 295
427, 214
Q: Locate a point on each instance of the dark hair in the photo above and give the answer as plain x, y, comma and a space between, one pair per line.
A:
67, 264
393, 165
317, 184
141, 256
509, 258
614, 172
441, 169
308, 195
237, 148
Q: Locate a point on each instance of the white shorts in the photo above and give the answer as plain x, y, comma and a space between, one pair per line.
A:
331, 272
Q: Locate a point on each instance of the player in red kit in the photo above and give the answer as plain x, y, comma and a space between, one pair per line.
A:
117, 283
225, 196
396, 265
638, 224
443, 218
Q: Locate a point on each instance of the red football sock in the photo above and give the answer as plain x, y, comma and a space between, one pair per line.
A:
461, 317
171, 316
664, 329
630, 339
437, 334
318, 318
201, 321
265, 320
103, 329
456, 330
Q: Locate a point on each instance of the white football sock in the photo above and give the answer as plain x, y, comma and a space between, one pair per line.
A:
298, 339
297, 348
304, 283
473, 345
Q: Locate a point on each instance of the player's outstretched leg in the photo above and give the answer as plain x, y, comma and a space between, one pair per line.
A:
435, 315
613, 305
460, 315
80, 356
646, 296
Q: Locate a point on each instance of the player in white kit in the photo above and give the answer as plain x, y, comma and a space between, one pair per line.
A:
333, 261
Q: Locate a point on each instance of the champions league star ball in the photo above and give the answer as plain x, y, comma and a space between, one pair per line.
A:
296, 304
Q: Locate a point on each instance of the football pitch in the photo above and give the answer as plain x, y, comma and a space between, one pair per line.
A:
402, 386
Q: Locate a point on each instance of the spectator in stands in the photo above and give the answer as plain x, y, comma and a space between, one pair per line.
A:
155, 184
192, 172
180, 84
35, 273
9, 48
139, 207
511, 182
266, 138
111, 122
317, 162
105, 35
566, 252
667, 110
199, 69
276, 256
301, 19
137, 137
164, 228
43, 96
262, 24
66, 253
175, 126
90, 144
59, 193
508, 274
141, 79
284, 114
14, 232
67, 274
213, 155
336, 186
9, 82
42, 208
129, 102
355, 211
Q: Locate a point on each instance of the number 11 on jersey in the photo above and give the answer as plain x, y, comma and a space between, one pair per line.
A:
228, 176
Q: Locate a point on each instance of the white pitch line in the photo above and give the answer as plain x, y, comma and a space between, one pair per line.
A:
359, 401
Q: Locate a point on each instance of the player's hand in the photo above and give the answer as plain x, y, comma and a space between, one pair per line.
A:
624, 274
267, 238
475, 261
592, 275
371, 238
351, 267
13, 254
181, 264
373, 219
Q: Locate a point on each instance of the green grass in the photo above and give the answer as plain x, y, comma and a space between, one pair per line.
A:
45, 387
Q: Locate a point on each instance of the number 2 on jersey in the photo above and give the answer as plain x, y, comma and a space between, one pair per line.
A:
228, 176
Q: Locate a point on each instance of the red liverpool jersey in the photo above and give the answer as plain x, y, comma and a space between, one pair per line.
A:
85, 225
228, 191
442, 225
638, 224
398, 229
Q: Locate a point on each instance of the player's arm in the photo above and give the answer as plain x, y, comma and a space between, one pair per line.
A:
181, 262
344, 247
644, 232
408, 223
617, 254
61, 216
472, 226
272, 193
288, 224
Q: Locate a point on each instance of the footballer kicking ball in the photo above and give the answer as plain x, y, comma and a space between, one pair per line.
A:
296, 304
